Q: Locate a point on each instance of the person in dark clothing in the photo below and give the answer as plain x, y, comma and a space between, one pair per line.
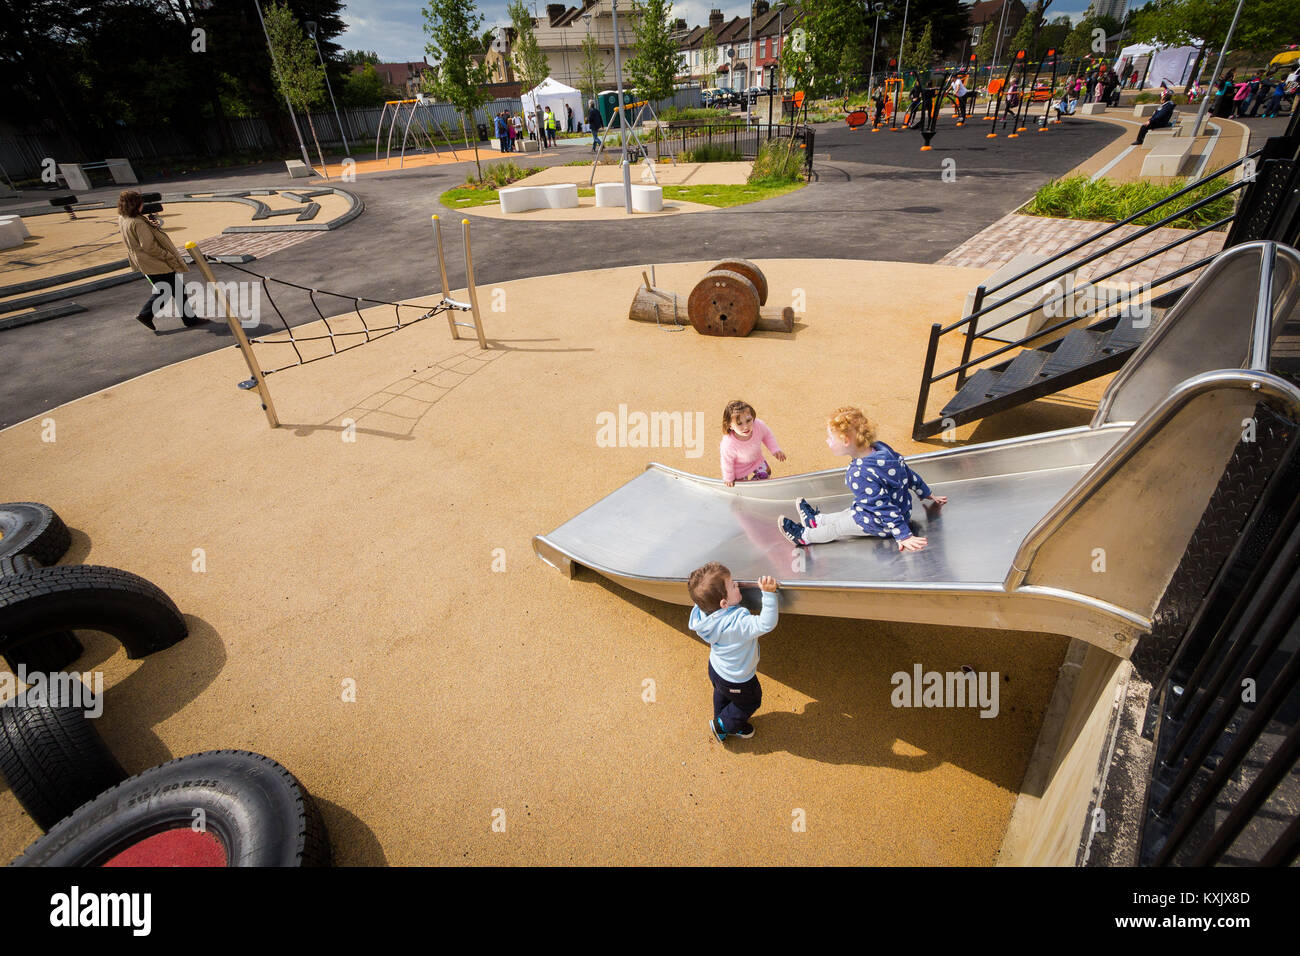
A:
593, 120
1159, 119
568, 118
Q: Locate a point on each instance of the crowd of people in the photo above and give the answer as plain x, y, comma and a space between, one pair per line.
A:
1246, 98
541, 124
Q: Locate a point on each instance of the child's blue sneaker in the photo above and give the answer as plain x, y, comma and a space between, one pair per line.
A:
807, 513
792, 530
715, 725
746, 731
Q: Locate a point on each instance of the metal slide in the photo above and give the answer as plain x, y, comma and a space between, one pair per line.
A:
1071, 532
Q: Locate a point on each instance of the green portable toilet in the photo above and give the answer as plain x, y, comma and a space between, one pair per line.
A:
607, 103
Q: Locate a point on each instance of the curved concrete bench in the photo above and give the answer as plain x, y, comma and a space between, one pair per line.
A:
523, 198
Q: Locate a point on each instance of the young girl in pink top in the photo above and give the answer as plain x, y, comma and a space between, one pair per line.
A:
741, 449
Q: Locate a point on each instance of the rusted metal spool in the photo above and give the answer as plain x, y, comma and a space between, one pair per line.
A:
750, 271
723, 303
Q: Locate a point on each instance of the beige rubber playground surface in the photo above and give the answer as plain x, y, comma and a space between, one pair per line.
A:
60, 245
369, 612
1124, 164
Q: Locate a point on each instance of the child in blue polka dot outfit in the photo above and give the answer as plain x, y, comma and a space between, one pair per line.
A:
882, 486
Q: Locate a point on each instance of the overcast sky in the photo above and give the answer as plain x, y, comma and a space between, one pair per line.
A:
395, 28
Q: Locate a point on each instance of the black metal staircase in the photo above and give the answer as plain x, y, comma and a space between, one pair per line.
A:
1098, 341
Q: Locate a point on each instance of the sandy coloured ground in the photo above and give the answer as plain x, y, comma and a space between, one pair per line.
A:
327, 561
1122, 162
59, 245
395, 160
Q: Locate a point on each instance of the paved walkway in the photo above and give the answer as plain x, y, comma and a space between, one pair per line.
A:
1043, 236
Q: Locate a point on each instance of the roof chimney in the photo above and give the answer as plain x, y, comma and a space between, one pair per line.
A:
760, 8
715, 20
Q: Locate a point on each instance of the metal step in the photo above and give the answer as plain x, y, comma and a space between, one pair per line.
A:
1022, 371
1074, 351
973, 393
1126, 336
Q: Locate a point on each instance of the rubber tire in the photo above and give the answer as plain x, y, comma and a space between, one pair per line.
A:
47, 654
53, 759
87, 597
255, 807
27, 527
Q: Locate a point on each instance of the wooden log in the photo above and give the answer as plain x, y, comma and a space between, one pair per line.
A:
773, 319
656, 305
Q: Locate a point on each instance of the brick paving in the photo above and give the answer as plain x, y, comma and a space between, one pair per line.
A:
1044, 236
257, 244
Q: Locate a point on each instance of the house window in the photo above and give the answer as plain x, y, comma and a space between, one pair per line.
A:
744, 50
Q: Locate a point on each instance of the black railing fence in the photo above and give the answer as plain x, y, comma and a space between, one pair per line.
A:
745, 140
1268, 207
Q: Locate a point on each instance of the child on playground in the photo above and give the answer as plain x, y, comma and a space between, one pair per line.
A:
882, 486
741, 450
878, 97
732, 634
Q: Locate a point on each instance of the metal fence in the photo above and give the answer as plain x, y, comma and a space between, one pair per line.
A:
745, 140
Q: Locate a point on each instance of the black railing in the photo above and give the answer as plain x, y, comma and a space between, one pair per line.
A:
745, 140
969, 325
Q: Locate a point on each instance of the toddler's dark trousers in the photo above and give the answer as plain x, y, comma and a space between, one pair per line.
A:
735, 703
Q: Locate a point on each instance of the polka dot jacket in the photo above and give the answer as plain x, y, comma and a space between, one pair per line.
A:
882, 487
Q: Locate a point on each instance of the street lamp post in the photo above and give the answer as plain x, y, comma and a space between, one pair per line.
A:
902, 40
1214, 80
311, 32
878, 9
622, 116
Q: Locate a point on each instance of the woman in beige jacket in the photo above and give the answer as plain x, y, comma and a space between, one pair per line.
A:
152, 253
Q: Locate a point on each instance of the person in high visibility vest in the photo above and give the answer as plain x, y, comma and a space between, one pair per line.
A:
550, 126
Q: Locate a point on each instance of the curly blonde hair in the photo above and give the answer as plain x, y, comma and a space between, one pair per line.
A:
852, 425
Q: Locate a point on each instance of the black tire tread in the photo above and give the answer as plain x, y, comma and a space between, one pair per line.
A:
53, 759
48, 542
312, 845
38, 593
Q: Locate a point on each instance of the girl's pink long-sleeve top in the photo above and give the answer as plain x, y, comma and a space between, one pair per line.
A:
739, 458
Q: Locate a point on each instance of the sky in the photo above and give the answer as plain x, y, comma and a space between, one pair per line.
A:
395, 28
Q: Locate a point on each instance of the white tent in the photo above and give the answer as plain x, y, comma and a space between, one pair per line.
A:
1169, 65
551, 92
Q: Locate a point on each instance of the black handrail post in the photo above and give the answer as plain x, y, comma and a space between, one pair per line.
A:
971, 323
930, 352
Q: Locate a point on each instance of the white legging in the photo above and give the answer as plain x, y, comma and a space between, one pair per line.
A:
832, 525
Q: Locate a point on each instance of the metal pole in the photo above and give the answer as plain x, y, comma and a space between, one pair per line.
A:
749, 67
442, 273
902, 67
622, 117
997, 41
337, 119
875, 37
275, 63
241, 339
1214, 80
469, 284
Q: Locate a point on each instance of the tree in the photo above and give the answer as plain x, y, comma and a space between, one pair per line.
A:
531, 64
1052, 36
454, 41
919, 54
364, 88
591, 66
1262, 25
360, 57
1024, 38
300, 78
796, 62
988, 42
709, 55
654, 65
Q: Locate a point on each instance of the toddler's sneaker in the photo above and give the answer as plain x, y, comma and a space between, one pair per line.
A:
807, 513
746, 731
715, 725
792, 530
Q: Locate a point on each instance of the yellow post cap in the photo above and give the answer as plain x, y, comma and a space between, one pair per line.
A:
435, 215
191, 244
464, 222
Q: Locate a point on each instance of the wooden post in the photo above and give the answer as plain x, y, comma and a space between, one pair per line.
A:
253, 367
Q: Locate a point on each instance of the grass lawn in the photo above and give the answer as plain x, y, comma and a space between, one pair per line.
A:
722, 196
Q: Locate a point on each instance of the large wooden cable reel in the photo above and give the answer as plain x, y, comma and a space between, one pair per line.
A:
723, 303
750, 271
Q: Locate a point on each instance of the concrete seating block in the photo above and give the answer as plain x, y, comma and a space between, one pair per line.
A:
16, 220
1091, 109
75, 176
297, 169
1143, 110
122, 172
609, 194
561, 196
11, 233
519, 198
1169, 157
528, 145
1032, 294
647, 198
